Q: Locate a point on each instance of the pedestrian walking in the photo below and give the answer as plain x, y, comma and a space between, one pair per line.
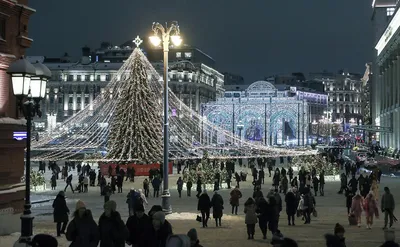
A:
60, 213
357, 207
107, 192
82, 231
179, 185
156, 186
146, 187
262, 211
217, 204
53, 182
189, 185
370, 209
234, 200
69, 183
139, 226
85, 184
204, 205
291, 206
387, 206
251, 217
112, 230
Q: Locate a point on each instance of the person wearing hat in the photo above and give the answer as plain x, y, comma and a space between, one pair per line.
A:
113, 232
160, 231
139, 226
82, 231
194, 240
60, 213
336, 240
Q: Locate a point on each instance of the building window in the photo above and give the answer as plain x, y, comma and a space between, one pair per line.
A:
51, 99
178, 54
107, 77
98, 78
60, 77
70, 77
79, 78
60, 100
2, 29
188, 55
390, 11
87, 77
86, 100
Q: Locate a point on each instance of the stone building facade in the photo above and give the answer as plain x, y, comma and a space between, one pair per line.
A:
14, 19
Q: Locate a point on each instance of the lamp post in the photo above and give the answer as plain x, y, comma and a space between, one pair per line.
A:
29, 82
240, 126
329, 121
167, 33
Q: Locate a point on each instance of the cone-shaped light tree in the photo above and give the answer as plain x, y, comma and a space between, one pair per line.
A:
136, 129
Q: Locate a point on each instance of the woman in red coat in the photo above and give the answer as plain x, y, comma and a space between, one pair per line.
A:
371, 209
357, 207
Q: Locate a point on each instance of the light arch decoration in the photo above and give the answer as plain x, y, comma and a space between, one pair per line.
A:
261, 86
287, 114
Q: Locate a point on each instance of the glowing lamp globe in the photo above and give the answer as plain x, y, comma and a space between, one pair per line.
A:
39, 81
155, 40
21, 72
176, 40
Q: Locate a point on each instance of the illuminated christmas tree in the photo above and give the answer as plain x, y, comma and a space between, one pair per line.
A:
136, 130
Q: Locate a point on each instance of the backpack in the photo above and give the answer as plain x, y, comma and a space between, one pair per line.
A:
137, 199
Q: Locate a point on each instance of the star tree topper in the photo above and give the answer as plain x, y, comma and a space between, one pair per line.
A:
137, 41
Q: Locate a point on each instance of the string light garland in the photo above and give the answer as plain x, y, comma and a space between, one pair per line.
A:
97, 129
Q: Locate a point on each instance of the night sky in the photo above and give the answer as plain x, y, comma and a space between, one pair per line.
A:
254, 38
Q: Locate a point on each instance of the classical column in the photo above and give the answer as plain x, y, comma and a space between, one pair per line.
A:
190, 98
74, 101
82, 100
197, 99
91, 93
66, 99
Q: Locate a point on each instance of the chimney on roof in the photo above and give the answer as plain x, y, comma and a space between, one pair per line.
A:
85, 51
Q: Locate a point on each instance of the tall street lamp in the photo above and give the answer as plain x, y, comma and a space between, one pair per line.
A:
29, 86
240, 126
167, 33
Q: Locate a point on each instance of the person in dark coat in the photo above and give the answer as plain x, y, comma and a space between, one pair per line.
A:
349, 198
69, 183
262, 211
113, 232
217, 204
257, 194
291, 206
234, 200
336, 240
60, 213
156, 186
160, 231
204, 205
272, 214
322, 183
82, 230
189, 185
44, 240
139, 226
120, 181
53, 182
276, 179
179, 185
198, 187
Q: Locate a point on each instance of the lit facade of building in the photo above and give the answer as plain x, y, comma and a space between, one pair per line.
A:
74, 85
262, 114
385, 88
345, 95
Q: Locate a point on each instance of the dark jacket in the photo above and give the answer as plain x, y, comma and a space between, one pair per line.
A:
139, 230
83, 231
61, 210
204, 203
334, 241
159, 238
291, 203
390, 244
217, 203
113, 232
387, 201
262, 211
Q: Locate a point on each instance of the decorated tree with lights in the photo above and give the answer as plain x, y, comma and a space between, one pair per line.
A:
206, 170
135, 133
315, 161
